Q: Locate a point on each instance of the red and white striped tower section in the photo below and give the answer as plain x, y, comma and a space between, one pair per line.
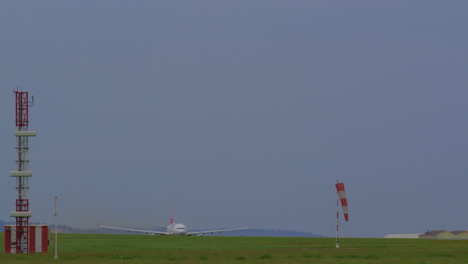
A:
344, 204
22, 173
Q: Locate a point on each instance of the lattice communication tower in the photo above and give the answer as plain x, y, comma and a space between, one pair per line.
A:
22, 172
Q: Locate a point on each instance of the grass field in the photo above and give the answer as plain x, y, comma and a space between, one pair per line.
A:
93, 248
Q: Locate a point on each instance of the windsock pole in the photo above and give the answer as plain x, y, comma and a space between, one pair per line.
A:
337, 225
340, 189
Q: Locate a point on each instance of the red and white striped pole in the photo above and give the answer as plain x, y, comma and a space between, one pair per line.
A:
340, 189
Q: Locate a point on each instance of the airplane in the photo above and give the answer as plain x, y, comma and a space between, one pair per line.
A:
174, 229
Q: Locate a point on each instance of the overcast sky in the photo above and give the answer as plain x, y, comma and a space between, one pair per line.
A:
240, 112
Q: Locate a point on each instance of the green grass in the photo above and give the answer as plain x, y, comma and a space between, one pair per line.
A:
80, 248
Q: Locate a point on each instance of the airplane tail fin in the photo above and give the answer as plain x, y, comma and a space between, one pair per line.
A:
171, 220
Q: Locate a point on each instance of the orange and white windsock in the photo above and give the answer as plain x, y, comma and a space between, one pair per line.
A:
342, 196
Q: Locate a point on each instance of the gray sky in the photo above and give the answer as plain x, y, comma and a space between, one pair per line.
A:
240, 112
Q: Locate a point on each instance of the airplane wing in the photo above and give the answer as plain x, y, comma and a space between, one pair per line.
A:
158, 226
216, 231
136, 230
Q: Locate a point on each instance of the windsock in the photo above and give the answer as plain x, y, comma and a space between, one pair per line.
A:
344, 202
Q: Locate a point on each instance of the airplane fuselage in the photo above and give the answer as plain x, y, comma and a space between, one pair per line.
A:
177, 230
